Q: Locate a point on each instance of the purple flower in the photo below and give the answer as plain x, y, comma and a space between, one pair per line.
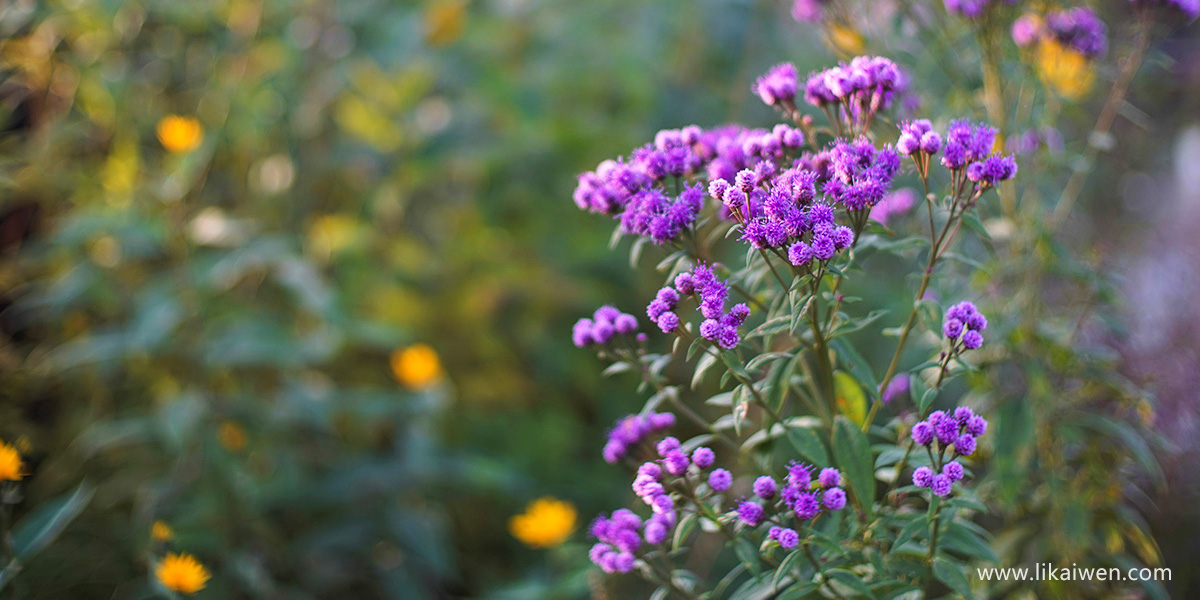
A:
703, 457
946, 431
778, 84
953, 470
895, 203
655, 533
962, 414
922, 433
923, 477
720, 480
799, 475
965, 444
1078, 28
807, 10
650, 469
668, 322
751, 513
676, 462
667, 446
1188, 9
728, 338
625, 324
976, 425
765, 488
661, 421
581, 334
829, 478
898, 387
972, 340
835, 498
805, 505
788, 539
773, 532
941, 485
800, 254
952, 328
1026, 30
602, 331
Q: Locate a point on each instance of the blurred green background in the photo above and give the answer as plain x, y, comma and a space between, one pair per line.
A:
200, 316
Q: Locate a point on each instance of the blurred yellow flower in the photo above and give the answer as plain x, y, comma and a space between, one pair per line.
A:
182, 573
10, 463
180, 134
161, 532
546, 523
416, 366
1064, 70
232, 436
846, 39
444, 21
330, 234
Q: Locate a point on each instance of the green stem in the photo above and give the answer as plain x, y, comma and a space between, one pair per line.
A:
935, 528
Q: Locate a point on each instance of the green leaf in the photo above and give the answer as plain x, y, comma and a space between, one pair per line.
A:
40, 528
851, 580
683, 530
853, 455
951, 574
706, 362
849, 397
958, 538
802, 589
859, 368
785, 567
808, 444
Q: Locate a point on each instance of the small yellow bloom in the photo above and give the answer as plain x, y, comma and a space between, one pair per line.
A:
846, 39
444, 20
182, 573
546, 523
161, 532
232, 436
1064, 70
180, 134
416, 366
10, 463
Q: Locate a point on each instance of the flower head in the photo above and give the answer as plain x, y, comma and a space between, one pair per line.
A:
10, 463
161, 532
179, 134
546, 523
181, 573
416, 366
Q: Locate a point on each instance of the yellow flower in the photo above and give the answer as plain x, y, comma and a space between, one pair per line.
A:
181, 573
1064, 70
846, 39
444, 21
161, 532
416, 366
180, 134
232, 436
10, 463
546, 523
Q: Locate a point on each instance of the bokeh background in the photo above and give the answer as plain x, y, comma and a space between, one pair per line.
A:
297, 277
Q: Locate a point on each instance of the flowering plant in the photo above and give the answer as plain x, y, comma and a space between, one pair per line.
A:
763, 231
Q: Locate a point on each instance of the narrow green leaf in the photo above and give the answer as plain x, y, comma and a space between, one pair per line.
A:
40, 528
853, 455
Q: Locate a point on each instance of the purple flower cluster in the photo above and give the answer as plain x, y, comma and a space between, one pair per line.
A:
778, 85
605, 323
958, 429
970, 146
1188, 9
675, 152
718, 326
964, 323
621, 536
1079, 29
860, 88
899, 386
860, 174
798, 493
972, 9
1027, 29
631, 430
918, 136
653, 214
618, 538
